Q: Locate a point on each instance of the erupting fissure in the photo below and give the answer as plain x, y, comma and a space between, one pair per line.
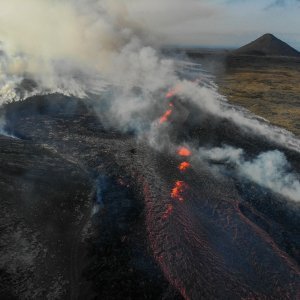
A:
184, 152
166, 116
169, 112
178, 190
184, 166
180, 186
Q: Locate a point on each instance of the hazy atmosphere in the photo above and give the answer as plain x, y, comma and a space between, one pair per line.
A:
222, 23
149, 149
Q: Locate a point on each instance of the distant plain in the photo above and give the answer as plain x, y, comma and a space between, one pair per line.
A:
267, 86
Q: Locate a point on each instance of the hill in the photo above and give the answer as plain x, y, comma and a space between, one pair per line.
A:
268, 45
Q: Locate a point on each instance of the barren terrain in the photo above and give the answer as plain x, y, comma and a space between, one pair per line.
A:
89, 213
267, 86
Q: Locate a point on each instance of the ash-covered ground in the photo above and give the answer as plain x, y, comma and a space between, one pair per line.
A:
89, 212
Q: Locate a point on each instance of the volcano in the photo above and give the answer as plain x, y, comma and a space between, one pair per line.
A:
125, 174
91, 212
268, 45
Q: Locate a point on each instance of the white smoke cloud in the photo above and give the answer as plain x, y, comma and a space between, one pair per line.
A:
269, 169
55, 42
58, 43
75, 47
207, 98
2, 125
81, 46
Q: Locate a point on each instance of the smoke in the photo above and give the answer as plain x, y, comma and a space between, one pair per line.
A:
269, 169
75, 46
63, 45
80, 48
110, 48
2, 125
207, 98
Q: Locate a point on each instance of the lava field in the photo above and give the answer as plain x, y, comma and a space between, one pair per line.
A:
90, 212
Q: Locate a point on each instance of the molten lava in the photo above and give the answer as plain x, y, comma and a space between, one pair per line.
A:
166, 116
172, 92
178, 190
183, 151
184, 166
168, 211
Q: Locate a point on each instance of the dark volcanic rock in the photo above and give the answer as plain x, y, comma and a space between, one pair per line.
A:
84, 213
64, 232
267, 45
43, 200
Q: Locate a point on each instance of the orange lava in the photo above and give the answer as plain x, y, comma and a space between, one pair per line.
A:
172, 92
183, 151
168, 211
184, 166
166, 116
178, 190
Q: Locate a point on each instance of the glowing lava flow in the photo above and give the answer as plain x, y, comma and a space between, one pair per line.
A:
180, 186
184, 166
168, 211
171, 93
178, 190
183, 151
169, 112
166, 116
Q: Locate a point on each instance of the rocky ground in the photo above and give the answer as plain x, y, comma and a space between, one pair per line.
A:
85, 213
59, 240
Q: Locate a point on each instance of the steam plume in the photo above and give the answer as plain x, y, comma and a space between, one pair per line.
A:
69, 46
85, 47
269, 169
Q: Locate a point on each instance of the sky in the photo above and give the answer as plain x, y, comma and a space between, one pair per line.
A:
225, 23
204, 23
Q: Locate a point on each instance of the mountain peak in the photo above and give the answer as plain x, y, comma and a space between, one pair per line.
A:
268, 35
268, 45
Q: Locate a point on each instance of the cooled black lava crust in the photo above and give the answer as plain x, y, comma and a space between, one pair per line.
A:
84, 213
